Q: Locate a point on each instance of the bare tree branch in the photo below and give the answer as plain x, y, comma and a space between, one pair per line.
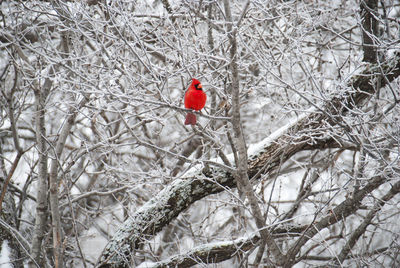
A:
340, 212
241, 175
369, 29
352, 240
42, 148
14, 131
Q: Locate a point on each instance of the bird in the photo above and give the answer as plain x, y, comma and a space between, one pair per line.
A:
195, 99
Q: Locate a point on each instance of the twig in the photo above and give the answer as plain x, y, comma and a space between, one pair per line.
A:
178, 156
367, 221
97, 193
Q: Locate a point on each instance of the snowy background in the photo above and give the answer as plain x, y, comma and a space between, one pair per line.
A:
110, 77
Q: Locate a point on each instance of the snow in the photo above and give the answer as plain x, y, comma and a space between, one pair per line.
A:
206, 248
92, 244
256, 148
5, 256
146, 264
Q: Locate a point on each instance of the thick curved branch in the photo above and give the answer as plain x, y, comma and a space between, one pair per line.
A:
209, 253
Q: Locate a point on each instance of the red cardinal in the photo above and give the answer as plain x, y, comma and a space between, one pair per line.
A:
195, 99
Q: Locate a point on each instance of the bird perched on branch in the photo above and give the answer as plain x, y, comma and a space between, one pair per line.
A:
195, 99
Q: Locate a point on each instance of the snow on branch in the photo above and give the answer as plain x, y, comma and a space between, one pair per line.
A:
208, 253
302, 135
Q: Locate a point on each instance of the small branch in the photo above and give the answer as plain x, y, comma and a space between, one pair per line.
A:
97, 193
216, 252
351, 256
18, 190
167, 6
243, 13
356, 234
178, 156
42, 188
242, 176
204, 18
208, 253
341, 211
369, 29
54, 183
14, 131
17, 236
208, 136
9, 176
190, 147
180, 109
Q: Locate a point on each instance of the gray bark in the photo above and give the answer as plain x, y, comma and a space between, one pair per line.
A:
41, 198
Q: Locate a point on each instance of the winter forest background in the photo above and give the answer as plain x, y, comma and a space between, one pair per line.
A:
295, 160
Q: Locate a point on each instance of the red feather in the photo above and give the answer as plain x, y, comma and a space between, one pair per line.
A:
195, 99
190, 119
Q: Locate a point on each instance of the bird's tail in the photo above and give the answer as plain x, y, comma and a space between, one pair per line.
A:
190, 119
